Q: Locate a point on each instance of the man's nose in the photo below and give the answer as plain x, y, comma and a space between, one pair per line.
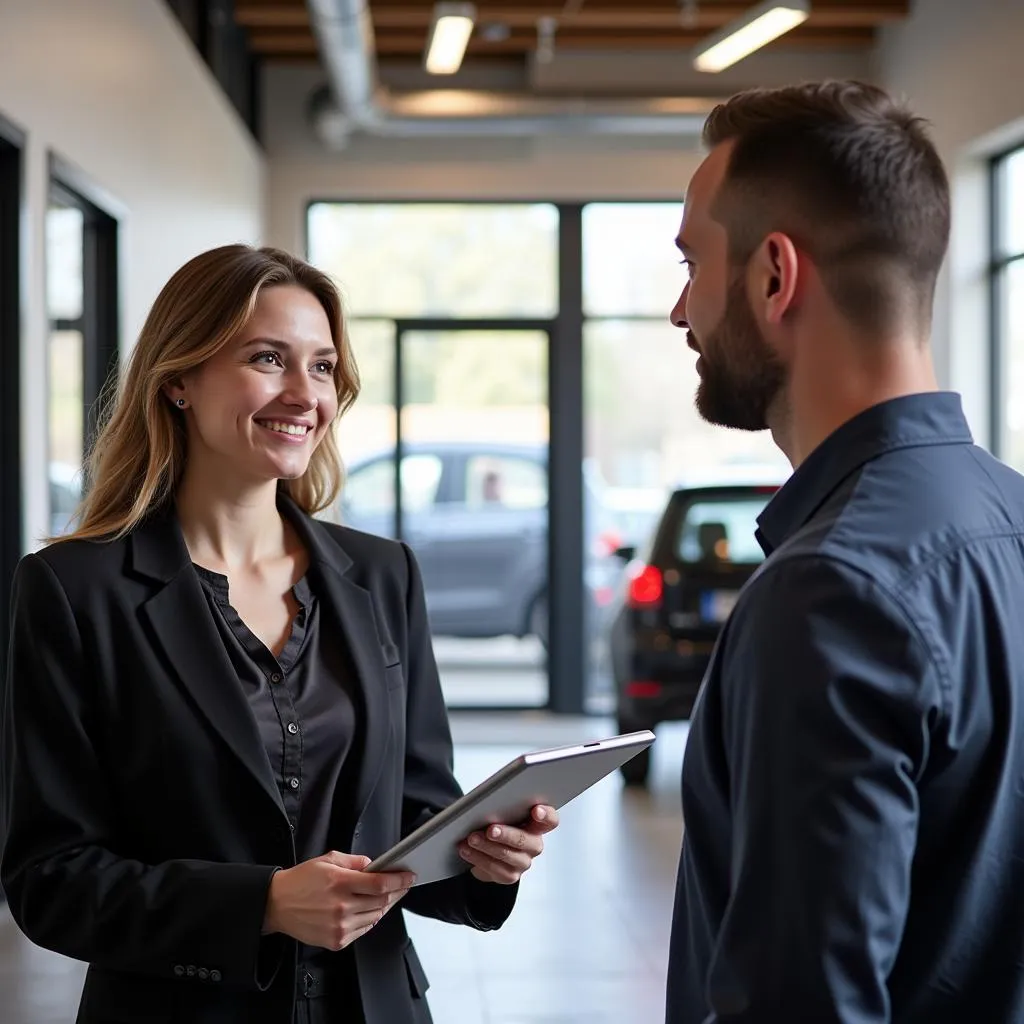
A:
678, 315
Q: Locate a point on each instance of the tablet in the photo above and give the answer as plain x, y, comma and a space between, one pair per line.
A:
552, 777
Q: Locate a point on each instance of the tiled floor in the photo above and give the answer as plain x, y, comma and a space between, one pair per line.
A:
586, 943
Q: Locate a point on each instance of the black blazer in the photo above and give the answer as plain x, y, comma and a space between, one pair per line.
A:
143, 821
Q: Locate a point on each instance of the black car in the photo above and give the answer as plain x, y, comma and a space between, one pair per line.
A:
676, 597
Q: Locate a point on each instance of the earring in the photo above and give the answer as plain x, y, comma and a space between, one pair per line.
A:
181, 403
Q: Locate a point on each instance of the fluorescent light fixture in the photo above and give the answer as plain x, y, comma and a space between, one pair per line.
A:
449, 37
740, 38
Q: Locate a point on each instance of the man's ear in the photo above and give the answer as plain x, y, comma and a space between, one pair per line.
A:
774, 277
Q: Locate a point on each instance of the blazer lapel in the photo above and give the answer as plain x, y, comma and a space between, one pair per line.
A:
348, 608
180, 619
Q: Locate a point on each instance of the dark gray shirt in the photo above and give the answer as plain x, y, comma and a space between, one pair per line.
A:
303, 702
852, 784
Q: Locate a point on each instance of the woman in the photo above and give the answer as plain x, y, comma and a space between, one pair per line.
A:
211, 693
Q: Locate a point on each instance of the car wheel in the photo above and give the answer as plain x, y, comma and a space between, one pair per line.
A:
636, 769
538, 621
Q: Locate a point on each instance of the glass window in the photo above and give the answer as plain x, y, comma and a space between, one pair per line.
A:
1012, 344
721, 531
421, 477
368, 427
630, 262
643, 431
65, 247
81, 303
502, 482
370, 488
1011, 226
643, 436
439, 259
1008, 292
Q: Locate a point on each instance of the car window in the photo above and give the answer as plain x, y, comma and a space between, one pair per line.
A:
370, 489
421, 477
506, 481
721, 531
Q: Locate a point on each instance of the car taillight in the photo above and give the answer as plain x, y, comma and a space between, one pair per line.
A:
646, 587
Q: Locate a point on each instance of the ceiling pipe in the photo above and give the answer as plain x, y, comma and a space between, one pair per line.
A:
354, 101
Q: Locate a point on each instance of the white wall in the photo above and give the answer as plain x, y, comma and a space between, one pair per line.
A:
116, 88
960, 65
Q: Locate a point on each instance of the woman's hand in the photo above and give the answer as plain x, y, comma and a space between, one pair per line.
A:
330, 901
503, 852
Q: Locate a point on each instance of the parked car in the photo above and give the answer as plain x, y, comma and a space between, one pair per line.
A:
675, 598
476, 515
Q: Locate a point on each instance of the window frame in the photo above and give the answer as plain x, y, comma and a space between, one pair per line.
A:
99, 322
998, 272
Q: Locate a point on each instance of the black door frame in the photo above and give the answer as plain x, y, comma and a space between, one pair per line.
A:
12, 213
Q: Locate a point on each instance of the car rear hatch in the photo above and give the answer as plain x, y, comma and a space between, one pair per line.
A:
706, 550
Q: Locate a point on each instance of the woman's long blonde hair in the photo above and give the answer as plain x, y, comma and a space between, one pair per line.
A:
139, 454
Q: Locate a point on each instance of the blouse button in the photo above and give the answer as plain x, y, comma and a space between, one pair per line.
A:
293, 728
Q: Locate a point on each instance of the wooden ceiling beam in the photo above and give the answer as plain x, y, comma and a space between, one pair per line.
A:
267, 42
402, 14
281, 44
404, 45
272, 17
869, 14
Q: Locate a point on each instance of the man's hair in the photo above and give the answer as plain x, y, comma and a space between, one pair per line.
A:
852, 177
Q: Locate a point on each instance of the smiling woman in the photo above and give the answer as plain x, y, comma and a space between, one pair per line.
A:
228, 328
226, 708
260, 406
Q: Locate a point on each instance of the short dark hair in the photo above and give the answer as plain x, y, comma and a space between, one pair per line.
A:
853, 177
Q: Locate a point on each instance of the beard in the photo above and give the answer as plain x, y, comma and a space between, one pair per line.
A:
740, 375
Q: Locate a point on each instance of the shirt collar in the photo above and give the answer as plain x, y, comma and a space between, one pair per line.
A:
910, 421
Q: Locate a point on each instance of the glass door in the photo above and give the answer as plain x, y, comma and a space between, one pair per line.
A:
472, 488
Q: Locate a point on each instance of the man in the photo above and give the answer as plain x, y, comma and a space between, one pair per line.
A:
853, 787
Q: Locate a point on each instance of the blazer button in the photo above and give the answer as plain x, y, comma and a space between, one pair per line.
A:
202, 973
214, 975
179, 971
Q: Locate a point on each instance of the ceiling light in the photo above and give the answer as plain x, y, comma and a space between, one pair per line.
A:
759, 26
449, 35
